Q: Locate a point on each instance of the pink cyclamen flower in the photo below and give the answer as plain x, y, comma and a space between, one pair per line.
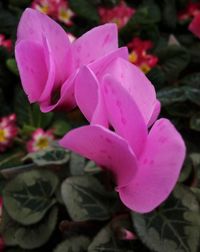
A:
89, 98
40, 140
8, 131
57, 9
48, 63
139, 54
120, 14
146, 165
194, 26
7, 43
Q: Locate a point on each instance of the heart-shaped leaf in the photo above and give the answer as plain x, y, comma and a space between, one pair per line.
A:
86, 199
28, 196
174, 227
74, 244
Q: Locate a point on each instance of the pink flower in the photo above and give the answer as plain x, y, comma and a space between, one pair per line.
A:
139, 56
7, 43
146, 165
120, 14
88, 95
194, 26
40, 140
48, 63
8, 131
57, 9
189, 12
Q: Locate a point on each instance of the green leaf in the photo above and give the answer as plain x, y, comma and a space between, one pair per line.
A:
74, 244
60, 127
174, 226
41, 120
168, 96
195, 122
173, 60
86, 199
77, 164
85, 9
29, 196
28, 237
35, 236
12, 66
50, 156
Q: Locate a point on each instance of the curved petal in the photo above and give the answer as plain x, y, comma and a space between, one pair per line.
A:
158, 171
86, 92
137, 85
105, 148
34, 26
123, 114
155, 113
94, 44
30, 59
66, 100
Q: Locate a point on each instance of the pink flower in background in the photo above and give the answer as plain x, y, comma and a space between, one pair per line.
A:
40, 140
48, 63
57, 9
88, 95
189, 12
8, 131
146, 165
7, 43
139, 54
120, 14
194, 26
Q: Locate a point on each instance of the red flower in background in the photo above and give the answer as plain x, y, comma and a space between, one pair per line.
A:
57, 9
40, 140
189, 12
7, 43
139, 56
120, 14
8, 131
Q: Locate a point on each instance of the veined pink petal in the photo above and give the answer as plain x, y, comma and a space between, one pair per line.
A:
123, 114
105, 148
158, 169
194, 26
34, 26
94, 44
137, 85
33, 70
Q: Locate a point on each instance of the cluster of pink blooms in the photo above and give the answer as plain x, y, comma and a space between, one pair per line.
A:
192, 12
124, 136
40, 140
57, 9
7, 43
119, 14
8, 131
139, 54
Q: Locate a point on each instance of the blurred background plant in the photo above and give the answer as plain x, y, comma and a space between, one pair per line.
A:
40, 179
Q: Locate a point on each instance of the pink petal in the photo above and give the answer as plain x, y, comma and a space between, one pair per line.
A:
137, 85
86, 92
94, 44
194, 26
66, 100
155, 113
32, 67
34, 26
158, 169
105, 148
123, 114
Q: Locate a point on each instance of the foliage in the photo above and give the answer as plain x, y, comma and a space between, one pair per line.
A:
55, 200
